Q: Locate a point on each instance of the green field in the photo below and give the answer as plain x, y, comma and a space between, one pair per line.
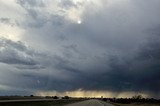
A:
40, 103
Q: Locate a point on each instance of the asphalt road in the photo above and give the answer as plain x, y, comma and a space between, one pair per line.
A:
91, 103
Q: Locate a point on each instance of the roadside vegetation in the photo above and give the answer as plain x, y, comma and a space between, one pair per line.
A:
39, 103
136, 100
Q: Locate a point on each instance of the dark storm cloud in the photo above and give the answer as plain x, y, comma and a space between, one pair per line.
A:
139, 73
15, 53
147, 66
115, 48
105, 53
123, 74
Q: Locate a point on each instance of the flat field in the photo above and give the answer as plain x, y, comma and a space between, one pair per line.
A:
39, 103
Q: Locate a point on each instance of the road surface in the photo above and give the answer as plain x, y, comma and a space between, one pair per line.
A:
91, 103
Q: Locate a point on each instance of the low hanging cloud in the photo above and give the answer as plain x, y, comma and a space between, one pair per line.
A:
69, 45
15, 53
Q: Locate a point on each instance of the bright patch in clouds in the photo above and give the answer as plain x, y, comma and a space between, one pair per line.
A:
78, 7
9, 32
83, 93
79, 21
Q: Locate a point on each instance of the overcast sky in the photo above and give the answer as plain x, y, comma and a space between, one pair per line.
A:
80, 47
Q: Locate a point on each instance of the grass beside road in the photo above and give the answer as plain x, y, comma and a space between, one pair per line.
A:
40, 103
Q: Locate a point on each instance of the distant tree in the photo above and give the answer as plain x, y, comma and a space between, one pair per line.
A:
31, 95
55, 97
104, 99
138, 97
48, 97
66, 97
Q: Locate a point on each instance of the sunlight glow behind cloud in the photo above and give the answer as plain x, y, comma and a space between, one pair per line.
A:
83, 93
